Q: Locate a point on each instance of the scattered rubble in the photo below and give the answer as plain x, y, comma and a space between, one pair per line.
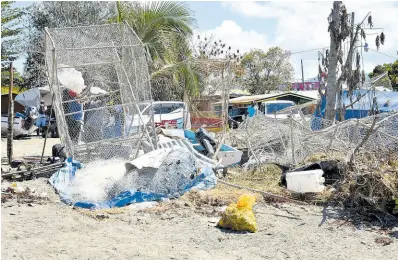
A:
359, 158
24, 195
385, 241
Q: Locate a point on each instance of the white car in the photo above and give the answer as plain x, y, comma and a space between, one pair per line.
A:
167, 114
19, 126
272, 108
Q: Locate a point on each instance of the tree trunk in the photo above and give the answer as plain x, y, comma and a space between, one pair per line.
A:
10, 133
332, 87
188, 105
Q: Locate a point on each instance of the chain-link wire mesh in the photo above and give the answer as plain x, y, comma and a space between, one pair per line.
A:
110, 114
290, 141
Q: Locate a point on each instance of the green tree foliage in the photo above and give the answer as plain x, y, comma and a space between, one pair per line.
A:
5, 78
165, 29
266, 71
157, 24
10, 32
392, 69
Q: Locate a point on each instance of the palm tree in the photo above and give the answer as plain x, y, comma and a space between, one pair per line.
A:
186, 73
165, 29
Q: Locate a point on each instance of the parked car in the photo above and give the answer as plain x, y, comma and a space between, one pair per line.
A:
271, 109
167, 114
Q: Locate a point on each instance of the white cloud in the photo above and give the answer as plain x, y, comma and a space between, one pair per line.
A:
303, 26
232, 34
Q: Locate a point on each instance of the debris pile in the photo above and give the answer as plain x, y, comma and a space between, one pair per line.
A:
21, 194
358, 158
290, 142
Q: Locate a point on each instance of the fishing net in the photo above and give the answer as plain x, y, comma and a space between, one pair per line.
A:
102, 90
290, 141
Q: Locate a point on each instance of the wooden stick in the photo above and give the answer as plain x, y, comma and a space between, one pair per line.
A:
363, 140
10, 134
278, 215
47, 129
291, 136
333, 136
266, 194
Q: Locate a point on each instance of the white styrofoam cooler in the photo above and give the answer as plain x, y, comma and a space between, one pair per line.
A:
305, 181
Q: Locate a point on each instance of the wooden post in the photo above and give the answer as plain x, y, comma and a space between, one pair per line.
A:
333, 136
291, 136
10, 133
48, 128
302, 74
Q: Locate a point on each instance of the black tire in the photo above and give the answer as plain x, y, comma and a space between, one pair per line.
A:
209, 148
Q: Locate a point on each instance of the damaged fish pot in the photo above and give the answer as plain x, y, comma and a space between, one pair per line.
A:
165, 173
204, 143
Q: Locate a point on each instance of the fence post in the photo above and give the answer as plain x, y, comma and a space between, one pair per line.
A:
291, 136
10, 134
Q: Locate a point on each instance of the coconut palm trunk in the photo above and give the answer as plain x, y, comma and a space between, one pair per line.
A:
332, 88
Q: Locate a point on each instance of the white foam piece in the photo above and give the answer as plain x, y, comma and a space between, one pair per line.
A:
152, 159
305, 181
97, 90
71, 78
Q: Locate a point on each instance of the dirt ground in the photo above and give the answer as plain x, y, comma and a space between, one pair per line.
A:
179, 229
28, 147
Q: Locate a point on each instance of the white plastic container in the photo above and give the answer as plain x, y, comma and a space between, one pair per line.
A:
305, 181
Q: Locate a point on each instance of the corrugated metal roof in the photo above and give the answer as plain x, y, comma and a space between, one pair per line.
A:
311, 95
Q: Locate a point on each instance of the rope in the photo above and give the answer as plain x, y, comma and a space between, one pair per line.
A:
308, 50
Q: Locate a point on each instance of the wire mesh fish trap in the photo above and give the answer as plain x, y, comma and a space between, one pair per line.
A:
290, 142
102, 91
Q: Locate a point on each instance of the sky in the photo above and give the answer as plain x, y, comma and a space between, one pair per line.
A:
293, 26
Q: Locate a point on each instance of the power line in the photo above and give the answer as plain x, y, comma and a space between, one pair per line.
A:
358, 46
308, 50
383, 54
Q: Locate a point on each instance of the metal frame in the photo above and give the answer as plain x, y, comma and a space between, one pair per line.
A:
55, 86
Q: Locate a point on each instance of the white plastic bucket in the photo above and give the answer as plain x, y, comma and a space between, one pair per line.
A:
305, 181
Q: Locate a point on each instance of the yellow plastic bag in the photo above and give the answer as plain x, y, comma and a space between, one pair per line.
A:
240, 216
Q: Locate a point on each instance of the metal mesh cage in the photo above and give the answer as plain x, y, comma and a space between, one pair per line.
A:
289, 141
102, 90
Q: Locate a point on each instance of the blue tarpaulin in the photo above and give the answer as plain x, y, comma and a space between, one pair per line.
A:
387, 101
60, 180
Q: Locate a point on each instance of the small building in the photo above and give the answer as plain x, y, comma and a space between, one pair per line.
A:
298, 97
5, 100
207, 101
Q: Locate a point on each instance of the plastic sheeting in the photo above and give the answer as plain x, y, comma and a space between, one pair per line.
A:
33, 96
65, 176
387, 101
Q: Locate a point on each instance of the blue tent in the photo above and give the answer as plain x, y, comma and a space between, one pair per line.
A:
386, 102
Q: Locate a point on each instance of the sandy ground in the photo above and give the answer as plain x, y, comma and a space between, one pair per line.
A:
180, 229
28, 147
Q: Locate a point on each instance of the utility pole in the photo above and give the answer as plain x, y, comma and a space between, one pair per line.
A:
302, 74
10, 133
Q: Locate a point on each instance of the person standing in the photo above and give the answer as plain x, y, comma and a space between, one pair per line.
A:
252, 109
41, 121
94, 121
75, 119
